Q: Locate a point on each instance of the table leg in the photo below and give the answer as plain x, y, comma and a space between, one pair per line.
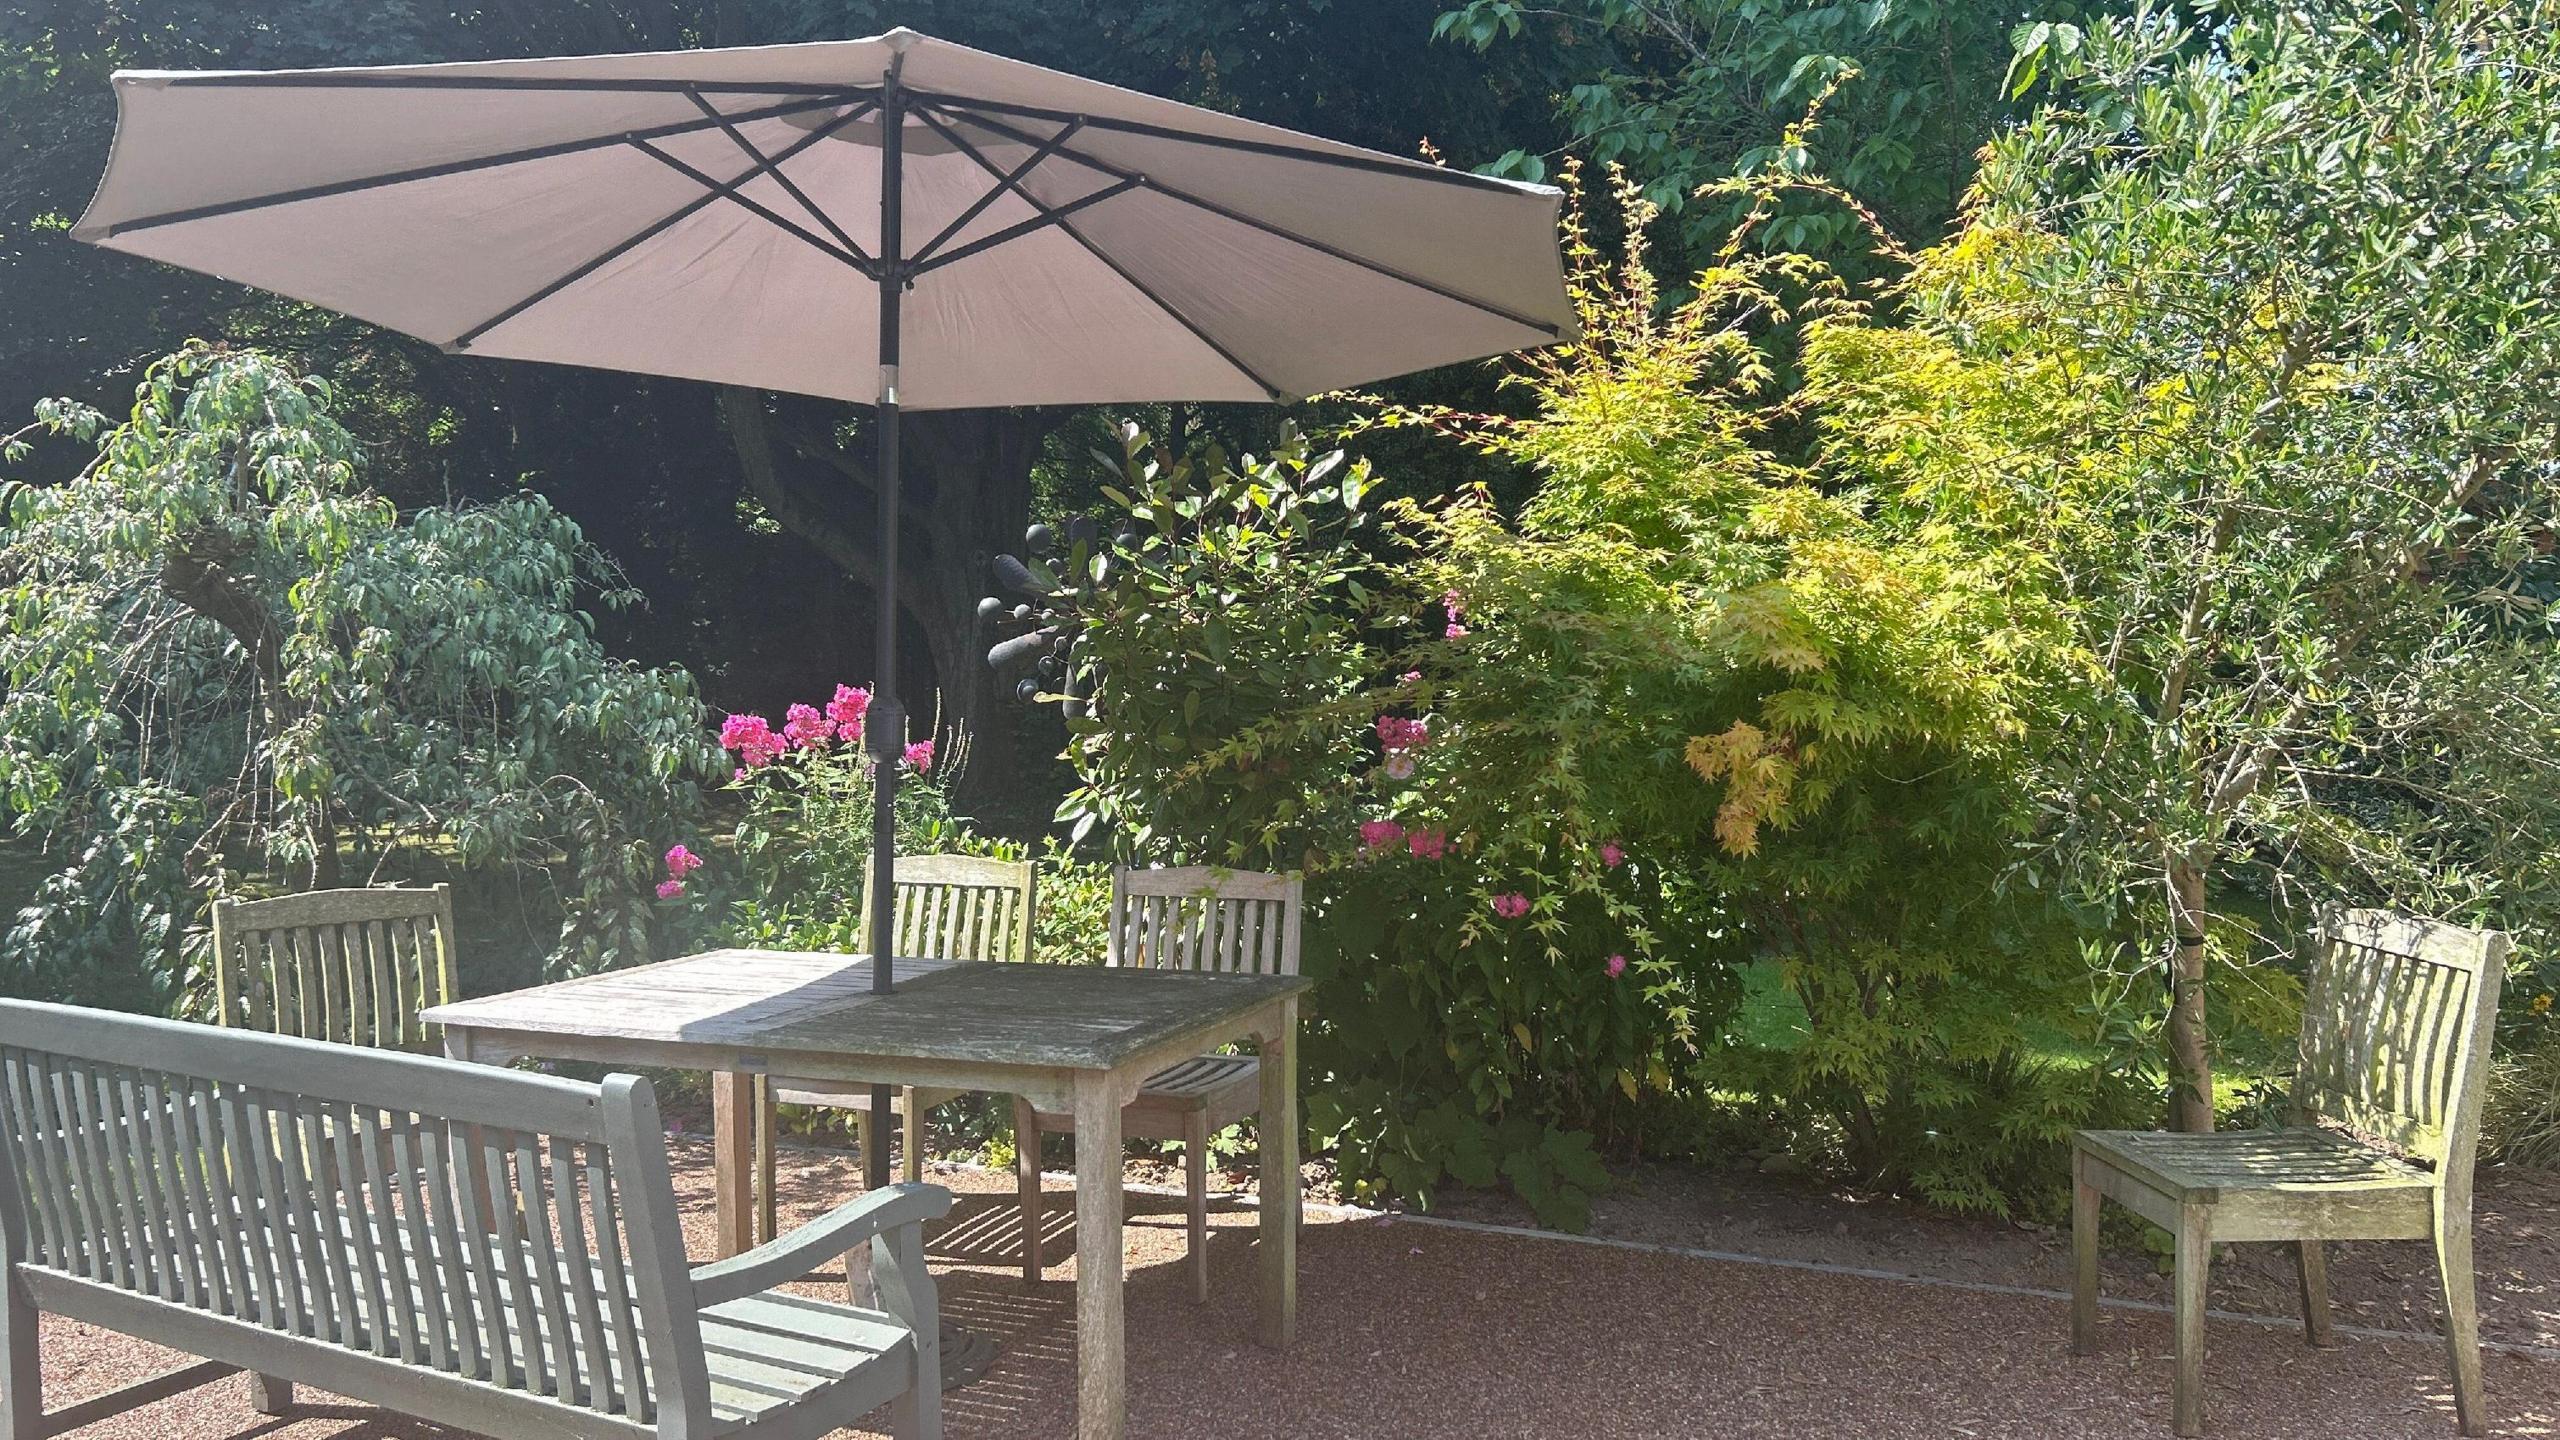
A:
1278, 1129
1102, 1404
733, 1127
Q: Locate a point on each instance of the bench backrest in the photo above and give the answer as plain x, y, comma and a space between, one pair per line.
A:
1204, 918
961, 907
2396, 1021
507, 1239
354, 966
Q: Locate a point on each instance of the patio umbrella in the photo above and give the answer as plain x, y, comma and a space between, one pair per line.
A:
897, 220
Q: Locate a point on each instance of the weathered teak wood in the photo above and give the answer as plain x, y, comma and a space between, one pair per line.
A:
495, 1251
2396, 1023
947, 907
1199, 919
1050, 1033
355, 966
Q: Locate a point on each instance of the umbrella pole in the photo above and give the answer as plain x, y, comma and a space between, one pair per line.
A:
888, 726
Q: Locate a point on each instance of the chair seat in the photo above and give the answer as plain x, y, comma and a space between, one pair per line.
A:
1228, 1087
2303, 1182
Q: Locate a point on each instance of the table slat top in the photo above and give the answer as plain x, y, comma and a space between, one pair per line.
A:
782, 1002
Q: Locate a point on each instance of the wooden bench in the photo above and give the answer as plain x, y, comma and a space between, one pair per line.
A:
499, 1251
2396, 1021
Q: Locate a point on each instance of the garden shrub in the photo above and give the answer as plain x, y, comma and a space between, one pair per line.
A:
228, 662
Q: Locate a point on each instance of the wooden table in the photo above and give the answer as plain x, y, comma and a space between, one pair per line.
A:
1076, 1039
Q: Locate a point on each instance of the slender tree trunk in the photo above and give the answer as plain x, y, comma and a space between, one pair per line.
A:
2190, 1039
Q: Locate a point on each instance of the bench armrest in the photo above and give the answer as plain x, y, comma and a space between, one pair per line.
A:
836, 1233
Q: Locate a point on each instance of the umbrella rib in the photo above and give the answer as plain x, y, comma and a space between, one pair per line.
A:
637, 85
464, 340
464, 167
1042, 221
859, 261
987, 122
1198, 332
996, 192
1377, 164
816, 212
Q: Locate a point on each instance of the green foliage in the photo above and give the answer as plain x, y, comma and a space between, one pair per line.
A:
2251, 344
1687, 93
222, 652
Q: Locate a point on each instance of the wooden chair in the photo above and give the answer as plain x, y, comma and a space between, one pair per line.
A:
516, 1267
949, 907
354, 966
2396, 1023
1194, 918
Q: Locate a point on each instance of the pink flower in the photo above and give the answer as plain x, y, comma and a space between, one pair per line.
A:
670, 889
681, 862
1427, 844
1612, 854
1400, 766
920, 755
1455, 631
1398, 733
1410, 677
752, 737
1617, 966
1456, 606
1511, 906
738, 774
1380, 834
803, 726
847, 709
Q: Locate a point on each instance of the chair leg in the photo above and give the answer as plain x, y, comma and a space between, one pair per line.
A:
269, 1394
1195, 1190
911, 1137
2084, 1260
22, 1387
1026, 1173
2312, 1261
2195, 1261
2462, 1320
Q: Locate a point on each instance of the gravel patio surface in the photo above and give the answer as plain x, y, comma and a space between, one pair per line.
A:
1408, 1329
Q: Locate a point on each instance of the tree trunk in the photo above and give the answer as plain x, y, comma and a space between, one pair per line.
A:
2190, 1039
197, 574
966, 495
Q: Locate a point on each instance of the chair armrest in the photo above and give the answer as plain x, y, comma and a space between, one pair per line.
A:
789, 1257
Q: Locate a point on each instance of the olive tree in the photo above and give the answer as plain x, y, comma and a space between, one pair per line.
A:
2251, 337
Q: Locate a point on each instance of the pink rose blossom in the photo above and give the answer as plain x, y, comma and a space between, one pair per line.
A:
920, 755
1427, 844
1511, 906
1612, 854
1617, 966
752, 737
681, 862
1400, 766
1380, 834
670, 889
803, 726
1398, 733
847, 710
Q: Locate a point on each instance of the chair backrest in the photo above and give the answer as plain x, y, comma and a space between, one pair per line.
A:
961, 907
2396, 1022
355, 966
501, 1238
1203, 918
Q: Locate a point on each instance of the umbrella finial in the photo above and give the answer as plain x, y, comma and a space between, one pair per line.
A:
903, 39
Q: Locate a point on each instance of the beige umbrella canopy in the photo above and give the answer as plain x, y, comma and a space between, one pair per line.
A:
716, 214
894, 220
